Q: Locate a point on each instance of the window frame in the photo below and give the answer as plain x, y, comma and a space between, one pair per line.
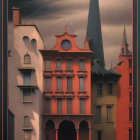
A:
48, 110
110, 115
67, 66
69, 106
27, 101
69, 89
47, 69
29, 78
82, 89
82, 110
98, 119
57, 65
57, 84
59, 104
48, 78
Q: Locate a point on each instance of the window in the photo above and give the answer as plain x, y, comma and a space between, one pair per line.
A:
48, 84
69, 83
98, 117
27, 78
130, 114
82, 106
81, 64
109, 113
81, 83
26, 41
99, 135
27, 135
130, 134
33, 42
27, 95
58, 64
130, 97
69, 105
130, 63
59, 105
59, 84
48, 67
69, 64
130, 79
27, 59
99, 89
27, 121
48, 106
110, 88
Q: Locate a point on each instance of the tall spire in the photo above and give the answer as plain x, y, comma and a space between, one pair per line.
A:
94, 31
125, 37
124, 47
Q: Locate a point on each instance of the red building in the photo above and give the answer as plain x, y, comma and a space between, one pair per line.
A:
67, 90
124, 102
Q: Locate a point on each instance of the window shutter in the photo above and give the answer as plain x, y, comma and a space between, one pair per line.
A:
58, 64
27, 77
69, 64
108, 113
81, 83
48, 84
69, 105
27, 95
48, 106
59, 106
130, 79
130, 114
82, 106
69, 84
98, 113
59, 84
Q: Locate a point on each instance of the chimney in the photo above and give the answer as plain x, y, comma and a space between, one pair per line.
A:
16, 16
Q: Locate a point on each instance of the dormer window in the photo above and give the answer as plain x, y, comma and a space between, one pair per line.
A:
27, 59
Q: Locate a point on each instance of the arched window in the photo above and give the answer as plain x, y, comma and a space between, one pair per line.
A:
26, 40
27, 122
27, 59
33, 42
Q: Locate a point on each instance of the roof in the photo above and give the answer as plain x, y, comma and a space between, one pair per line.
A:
97, 69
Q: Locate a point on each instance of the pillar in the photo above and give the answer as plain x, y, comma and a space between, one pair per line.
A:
89, 133
56, 134
77, 134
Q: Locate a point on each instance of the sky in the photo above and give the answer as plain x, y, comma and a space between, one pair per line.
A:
51, 16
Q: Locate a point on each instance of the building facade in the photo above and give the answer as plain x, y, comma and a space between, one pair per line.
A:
124, 110
67, 91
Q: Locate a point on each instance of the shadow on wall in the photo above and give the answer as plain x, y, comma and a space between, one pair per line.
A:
34, 109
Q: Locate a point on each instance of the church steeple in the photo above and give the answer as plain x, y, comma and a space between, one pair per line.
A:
124, 48
94, 32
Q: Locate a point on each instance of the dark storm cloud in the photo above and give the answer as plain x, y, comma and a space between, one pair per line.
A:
45, 8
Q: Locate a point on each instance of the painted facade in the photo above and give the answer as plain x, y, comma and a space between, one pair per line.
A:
68, 69
124, 110
65, 92
26, 40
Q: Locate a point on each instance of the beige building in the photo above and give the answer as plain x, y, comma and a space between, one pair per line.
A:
26, 81
104, 90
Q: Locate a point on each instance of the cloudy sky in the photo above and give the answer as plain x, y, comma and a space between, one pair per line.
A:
51, 16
